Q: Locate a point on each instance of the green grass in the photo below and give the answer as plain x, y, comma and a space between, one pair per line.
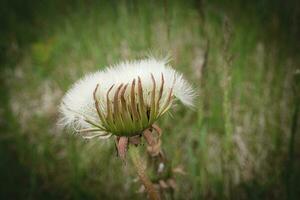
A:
233, 145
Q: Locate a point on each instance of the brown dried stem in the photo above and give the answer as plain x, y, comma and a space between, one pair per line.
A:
140, 168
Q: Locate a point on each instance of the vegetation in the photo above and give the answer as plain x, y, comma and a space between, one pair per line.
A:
240, 141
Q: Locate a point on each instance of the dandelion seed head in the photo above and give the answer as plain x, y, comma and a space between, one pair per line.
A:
126, 98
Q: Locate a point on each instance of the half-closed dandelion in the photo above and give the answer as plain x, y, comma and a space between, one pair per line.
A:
124, 101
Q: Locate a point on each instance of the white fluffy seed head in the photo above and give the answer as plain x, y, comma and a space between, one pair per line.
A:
129, 97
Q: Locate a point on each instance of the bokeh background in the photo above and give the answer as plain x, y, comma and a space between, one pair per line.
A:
240, 142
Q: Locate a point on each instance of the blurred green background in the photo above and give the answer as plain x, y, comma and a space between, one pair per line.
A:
240, 142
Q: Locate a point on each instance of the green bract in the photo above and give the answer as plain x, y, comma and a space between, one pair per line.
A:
130, 116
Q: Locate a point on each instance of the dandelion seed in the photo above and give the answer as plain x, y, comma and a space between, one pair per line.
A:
125, 99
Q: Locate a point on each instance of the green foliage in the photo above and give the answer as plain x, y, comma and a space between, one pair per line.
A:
233, 145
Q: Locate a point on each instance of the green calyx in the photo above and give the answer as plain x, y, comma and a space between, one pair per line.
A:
130, 115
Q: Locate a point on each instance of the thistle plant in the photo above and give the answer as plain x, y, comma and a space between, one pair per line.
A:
125, 101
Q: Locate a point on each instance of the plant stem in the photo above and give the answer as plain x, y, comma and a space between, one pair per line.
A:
140, 167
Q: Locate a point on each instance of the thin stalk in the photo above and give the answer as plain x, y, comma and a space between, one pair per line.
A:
140, 168
292, 140
227, 157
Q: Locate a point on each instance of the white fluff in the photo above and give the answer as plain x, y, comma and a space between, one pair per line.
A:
78, 103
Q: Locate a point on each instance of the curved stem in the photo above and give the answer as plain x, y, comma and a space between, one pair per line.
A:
140, 167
